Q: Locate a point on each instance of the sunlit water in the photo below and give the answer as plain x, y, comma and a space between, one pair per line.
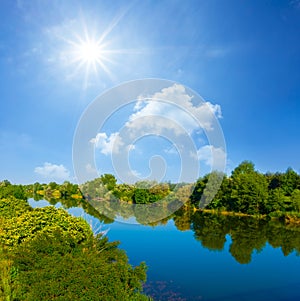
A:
180, 268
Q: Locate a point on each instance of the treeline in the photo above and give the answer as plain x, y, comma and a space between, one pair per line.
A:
52, 191
143, 192
250, 192
47, 254
245, 191
39, 191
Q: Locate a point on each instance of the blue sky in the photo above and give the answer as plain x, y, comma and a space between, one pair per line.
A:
242, 56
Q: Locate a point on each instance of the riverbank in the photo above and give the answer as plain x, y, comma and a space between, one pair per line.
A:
287, 218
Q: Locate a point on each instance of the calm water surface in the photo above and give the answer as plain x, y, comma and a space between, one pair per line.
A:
213, 260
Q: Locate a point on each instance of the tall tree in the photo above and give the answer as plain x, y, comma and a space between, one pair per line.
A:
249, 191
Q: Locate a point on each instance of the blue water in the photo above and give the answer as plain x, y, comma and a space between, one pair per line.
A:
180, 268
177, 259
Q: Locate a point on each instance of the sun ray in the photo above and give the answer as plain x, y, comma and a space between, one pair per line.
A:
89, 52
89, 55
113, 24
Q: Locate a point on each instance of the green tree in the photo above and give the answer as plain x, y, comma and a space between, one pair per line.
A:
8, 190
249, 190
289, 181
246, 167
141, 196
159, 191
94, 189
109, 181
198, 191
295, 200
222, 200
52, 266
276, 201
207, 188
124, 192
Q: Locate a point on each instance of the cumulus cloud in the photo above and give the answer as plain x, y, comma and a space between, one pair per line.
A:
175, 105
108, 144
53, 172
214, 157
171, 113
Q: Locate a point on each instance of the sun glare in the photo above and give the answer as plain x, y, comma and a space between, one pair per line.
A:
89, 52
91, 56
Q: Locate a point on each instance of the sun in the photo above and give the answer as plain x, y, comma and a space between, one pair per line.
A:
91, 57
90, 52
86, 51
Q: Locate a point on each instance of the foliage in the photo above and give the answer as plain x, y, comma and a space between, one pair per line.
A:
12, 207
46, 254
206, 189
245, 191
54, 267
109, 181
26, 226
250, 192
7, 190
124, 192
142, 192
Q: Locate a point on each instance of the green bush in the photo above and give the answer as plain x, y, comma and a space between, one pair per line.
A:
47, 254
11, 207
54, 267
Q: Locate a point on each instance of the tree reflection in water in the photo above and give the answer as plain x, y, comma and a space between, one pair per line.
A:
248, 235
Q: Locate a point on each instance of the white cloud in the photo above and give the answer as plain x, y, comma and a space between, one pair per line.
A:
214, 157
135, 173
131, 147
175, 104
170, 112
139, 105
53, 171
108, 145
